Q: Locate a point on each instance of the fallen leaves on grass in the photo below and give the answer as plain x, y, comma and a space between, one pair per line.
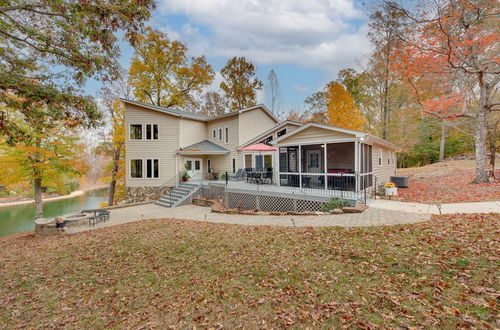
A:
438, 274
447, 182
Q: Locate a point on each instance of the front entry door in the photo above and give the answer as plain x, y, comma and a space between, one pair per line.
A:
194, 167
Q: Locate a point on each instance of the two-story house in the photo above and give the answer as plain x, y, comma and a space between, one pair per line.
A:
161, 142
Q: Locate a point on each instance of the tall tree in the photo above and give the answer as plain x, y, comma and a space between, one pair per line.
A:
48, 158
342, 111
113, 137
213, 104
49, 49
453, 46
161, 73
316, 105
385, 24
273, 93
240, 85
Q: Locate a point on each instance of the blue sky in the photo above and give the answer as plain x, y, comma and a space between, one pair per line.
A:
305, 42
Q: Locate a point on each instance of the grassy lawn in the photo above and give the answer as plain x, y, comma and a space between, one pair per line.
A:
442, 273
447, 182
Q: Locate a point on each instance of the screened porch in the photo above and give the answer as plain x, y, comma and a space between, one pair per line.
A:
345, 166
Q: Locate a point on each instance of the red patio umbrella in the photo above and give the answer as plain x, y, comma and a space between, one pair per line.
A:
259, 147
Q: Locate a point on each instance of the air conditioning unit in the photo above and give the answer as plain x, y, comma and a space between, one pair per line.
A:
400, 181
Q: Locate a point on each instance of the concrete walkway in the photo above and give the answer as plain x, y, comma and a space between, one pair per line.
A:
451, 208
371, 217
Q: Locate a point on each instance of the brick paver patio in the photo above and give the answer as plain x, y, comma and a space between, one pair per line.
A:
371, 217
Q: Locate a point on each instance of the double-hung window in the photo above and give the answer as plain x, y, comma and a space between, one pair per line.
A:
226, 134
151, 131
220, 134
136, 168
152, 168
135, 132
214, 134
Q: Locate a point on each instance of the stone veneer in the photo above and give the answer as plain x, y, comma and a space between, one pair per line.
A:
142, 194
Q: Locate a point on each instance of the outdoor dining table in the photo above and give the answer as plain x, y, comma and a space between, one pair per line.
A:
258, 177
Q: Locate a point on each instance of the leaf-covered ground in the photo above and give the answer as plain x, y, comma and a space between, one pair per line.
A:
442, 273
447, 182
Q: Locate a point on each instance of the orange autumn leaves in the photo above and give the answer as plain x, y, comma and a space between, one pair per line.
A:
342, 111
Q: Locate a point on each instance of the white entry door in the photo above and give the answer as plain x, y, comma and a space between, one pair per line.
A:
195, 168
313, 161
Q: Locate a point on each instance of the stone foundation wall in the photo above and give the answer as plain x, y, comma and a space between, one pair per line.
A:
142, 194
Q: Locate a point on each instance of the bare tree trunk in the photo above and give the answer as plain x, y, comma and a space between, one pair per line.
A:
480, 144
112, 184
443, 140
492, 133
37, 187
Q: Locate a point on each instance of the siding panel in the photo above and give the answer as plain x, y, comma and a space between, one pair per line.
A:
162, 149
315, 135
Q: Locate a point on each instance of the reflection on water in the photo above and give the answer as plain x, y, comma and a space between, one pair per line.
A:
16, 219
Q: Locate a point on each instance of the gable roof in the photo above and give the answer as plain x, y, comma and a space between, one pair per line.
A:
204, 147
269, 131
196, 116
358, 134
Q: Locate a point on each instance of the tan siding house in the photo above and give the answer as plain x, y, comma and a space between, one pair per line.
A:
162, 142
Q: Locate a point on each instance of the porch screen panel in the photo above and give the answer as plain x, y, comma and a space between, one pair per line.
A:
283, 160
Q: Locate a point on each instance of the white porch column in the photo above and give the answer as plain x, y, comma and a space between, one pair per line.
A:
325, 153
300, 166
278, 164
356, 164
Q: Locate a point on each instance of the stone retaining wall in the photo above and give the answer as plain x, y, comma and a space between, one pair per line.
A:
142, 194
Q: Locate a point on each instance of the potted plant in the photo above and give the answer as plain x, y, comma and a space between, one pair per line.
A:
185, 175
390, 189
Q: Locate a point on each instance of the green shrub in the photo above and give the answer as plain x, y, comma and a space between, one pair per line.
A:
335, 203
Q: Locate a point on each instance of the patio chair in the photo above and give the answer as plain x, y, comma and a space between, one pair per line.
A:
268, 175
104, 215
238, 176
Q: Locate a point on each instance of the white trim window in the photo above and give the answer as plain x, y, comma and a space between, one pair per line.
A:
226, 132
152, 168
136, 168
152, 131
135, 131
234, 165
379, 157
214, 134
220, 134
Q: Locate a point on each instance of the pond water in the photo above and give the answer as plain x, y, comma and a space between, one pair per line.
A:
16, 219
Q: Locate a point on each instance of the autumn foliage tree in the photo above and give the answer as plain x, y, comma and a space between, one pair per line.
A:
342, 111
453, 47
48, 50
240, 84
162, 74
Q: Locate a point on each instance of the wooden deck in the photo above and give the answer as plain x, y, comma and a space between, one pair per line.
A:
285, 191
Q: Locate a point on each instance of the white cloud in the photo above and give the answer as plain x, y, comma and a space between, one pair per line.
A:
316, 33
300, 88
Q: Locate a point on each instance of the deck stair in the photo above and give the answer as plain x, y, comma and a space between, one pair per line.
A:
177, 195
